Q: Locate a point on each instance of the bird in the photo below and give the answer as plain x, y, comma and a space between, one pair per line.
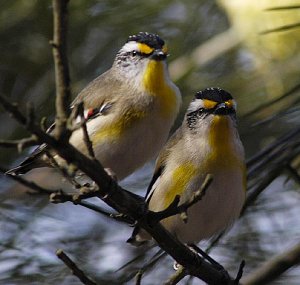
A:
207, 142
129, 110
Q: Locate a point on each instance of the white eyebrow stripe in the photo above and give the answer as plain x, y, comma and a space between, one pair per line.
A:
130, 46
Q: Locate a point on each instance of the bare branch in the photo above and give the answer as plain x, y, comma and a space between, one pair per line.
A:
19, 144
86, 137
139, 274
273, 172
68, 174
281, 29
274, 267
181, 272
240, 272
62, 79
13, 110
204, 53
294, 173
284, 139
270, 103
74, 268
283, 8
62, 197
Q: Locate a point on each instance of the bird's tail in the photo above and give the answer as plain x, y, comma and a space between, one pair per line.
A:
23, 168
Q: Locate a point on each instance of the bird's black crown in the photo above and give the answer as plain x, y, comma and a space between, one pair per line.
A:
152, 40
215, 94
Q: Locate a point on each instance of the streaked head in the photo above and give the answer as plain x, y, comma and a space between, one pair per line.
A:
141, 48
209, 103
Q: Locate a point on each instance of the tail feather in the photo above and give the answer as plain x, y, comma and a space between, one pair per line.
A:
33, 161
17, 170
23, 168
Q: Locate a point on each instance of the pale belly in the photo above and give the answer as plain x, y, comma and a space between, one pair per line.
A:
217, 210
132, 149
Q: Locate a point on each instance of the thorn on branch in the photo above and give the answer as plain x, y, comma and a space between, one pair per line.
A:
74, 268
53, 44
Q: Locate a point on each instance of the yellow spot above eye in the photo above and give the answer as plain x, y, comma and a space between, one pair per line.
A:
229, 103
165, 49
209, 104
143, 48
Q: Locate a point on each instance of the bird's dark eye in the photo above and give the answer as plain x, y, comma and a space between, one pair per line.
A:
201, 110
133, 53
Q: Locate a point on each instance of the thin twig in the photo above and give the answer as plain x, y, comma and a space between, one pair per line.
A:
181, 272
221, 43
19, 144
293, 173
86, 137
60, 196
150, 264
240, 272
283, 8
274, 267
285, 138
206, 256
273, 173
66, 173
281, 29
12, 109
74, 268
62, 78
138, 277
272, 102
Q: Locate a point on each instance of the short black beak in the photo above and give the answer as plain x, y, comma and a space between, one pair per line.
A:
222, 109
158, 54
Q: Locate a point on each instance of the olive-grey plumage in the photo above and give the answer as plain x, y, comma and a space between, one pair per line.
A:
128, 114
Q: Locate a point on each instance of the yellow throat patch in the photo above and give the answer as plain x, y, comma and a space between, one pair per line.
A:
155, 83
222, 154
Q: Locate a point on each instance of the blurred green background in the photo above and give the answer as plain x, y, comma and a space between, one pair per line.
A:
212, 43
